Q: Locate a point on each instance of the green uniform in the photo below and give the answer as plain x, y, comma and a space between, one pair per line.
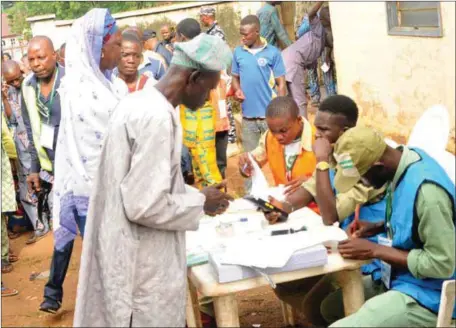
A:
436, 259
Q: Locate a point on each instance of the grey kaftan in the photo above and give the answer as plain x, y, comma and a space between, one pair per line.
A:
133, 260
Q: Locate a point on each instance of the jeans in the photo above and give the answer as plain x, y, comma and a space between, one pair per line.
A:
60, 260
221, 144
252, 129
186, 160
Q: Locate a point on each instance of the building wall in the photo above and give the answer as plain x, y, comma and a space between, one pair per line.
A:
57, 30
15, 46
393, 79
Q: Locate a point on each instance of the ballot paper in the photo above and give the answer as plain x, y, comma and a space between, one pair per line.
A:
260, 187
240, 204
306, 258
275, 251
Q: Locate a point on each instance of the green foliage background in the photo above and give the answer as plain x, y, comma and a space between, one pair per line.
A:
20, 10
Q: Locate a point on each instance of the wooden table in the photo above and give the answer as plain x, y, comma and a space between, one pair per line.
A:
203, 279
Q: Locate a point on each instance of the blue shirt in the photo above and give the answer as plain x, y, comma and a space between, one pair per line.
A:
257, 73
153, 67
55, 120
270, 27
161, 49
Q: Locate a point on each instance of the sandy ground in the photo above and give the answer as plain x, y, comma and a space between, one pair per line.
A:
258, 306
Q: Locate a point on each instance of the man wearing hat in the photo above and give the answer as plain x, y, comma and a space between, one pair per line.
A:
152, 45
417, 255
207, 18
133, 267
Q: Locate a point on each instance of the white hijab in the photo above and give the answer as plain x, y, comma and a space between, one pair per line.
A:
88, 99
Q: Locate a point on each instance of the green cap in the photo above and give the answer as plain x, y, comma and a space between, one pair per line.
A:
356, 151
204, 52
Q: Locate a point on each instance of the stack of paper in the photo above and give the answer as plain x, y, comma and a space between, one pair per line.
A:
306, 258
275, 251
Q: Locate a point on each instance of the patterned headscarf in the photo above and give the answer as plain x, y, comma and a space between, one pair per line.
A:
110, 27
204, 52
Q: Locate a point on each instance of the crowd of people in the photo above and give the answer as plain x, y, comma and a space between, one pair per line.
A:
122, 138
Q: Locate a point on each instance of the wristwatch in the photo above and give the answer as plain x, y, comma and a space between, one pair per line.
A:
322, 166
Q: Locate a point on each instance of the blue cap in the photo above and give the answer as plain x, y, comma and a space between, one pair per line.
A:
244, 219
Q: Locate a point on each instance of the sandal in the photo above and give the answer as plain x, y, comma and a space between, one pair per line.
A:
9, 292
13, 258
13, 235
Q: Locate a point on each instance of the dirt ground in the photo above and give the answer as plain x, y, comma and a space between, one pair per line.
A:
259, 306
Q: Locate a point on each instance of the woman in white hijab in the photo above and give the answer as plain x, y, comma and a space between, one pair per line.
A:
87, 100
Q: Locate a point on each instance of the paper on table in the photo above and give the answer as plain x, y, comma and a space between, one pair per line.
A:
239, 205
274, 252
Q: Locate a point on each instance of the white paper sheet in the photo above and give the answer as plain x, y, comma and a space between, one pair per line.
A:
260, 186
275, 251
325, 67
239, 205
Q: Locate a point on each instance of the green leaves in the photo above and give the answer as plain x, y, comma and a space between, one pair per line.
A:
19, 11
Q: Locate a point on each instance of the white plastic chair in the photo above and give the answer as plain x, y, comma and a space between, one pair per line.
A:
431, 131
431, 134
446, 304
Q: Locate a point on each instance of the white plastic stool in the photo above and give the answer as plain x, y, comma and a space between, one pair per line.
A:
446, 304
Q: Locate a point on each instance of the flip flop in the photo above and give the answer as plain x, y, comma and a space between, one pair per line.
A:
13, 235
9, 292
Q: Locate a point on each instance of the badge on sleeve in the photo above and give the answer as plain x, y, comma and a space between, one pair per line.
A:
385, 267
47, 136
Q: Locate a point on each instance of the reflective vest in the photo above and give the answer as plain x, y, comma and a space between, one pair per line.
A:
29, 95
404, 228
303, 166
374, 212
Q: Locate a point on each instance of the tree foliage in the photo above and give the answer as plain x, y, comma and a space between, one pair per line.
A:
18, 13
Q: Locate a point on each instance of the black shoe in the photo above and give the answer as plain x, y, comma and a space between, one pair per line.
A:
50, 306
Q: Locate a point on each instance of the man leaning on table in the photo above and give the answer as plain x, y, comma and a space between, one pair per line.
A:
418, 253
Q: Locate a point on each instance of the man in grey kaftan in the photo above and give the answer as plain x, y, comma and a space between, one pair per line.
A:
133, 266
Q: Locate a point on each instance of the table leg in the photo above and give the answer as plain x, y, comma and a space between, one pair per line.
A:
288, 314
351, 282
193, 313
226, 311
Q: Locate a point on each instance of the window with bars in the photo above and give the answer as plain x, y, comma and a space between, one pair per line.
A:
417, 18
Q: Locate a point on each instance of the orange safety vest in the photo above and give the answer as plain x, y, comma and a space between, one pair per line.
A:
303, 166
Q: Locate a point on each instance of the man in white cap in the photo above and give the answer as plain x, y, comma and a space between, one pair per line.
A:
133, 266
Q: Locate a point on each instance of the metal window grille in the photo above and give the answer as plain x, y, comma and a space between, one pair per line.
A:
417, 18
